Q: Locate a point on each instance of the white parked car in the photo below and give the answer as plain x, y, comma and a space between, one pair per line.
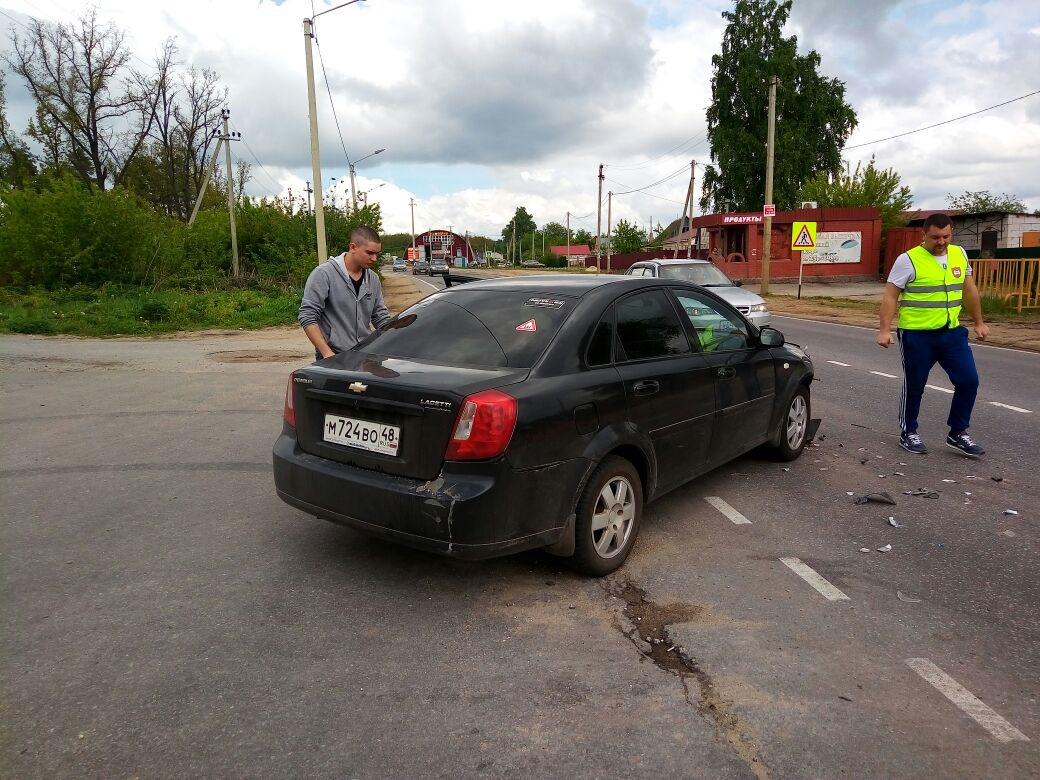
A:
706, 274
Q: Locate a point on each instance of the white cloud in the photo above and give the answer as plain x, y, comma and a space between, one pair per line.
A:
535, 95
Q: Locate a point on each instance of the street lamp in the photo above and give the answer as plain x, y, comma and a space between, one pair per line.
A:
353, 188
363, 196
319, 211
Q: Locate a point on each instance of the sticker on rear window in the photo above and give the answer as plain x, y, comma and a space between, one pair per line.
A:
545, 303
527, 327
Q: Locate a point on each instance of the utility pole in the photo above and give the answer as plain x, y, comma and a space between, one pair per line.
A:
610, 202
205, 181
650, 231
568, 239
411, 204
693, 175
599, 215
230, 194
687, 206
768, 231
308, 190
319, 209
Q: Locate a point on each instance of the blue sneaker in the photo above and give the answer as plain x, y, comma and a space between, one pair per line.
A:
912, 442
963, 443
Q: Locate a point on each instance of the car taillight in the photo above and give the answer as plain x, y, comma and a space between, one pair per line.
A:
289, 409
484, 427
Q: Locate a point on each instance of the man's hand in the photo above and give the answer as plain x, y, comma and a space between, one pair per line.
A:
981, 330
884, 339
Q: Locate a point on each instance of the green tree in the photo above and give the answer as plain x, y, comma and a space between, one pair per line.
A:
627, 238
17, 164
555, 234
982, 201
583, 236
868, 186
813, 121
522, 224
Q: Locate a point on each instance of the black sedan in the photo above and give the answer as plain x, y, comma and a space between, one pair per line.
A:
541, 411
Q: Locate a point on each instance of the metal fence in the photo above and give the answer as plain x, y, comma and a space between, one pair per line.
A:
1015, 281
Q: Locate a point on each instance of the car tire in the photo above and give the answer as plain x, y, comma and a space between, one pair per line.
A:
794, 426
607, 517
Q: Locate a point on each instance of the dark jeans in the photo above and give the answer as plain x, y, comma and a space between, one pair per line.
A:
922, 349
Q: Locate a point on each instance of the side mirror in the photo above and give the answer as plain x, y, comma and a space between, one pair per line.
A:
738, 282
770, 337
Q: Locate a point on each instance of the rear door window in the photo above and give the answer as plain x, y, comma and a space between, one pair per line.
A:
647, 326
478, 327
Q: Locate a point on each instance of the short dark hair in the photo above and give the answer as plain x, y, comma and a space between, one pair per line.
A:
364, 234
937, 220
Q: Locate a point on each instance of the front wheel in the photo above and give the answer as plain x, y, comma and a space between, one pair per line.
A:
607, 517
794, 428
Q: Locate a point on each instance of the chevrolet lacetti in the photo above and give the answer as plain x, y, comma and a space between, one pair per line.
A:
536, 412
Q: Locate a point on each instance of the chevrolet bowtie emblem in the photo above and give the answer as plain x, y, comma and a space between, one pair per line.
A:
357, 387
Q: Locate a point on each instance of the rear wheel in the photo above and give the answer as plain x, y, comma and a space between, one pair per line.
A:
794, 428
607, 517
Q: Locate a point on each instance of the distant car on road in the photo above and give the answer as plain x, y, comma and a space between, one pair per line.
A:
708, 275
421, 267
536, 412
400, 264
531, 264
438, 266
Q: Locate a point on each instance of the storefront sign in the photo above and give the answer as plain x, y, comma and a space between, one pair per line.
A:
741, 219
836, 247
769, 210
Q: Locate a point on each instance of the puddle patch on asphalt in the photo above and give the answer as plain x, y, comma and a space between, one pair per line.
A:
257, 356
645, 624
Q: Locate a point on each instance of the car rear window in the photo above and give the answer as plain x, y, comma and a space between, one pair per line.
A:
478, 327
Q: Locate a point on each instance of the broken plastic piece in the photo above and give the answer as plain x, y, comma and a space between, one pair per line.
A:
1010, 512
886, 548
864, 549
950, 480
1010, 533
892, 522
997, 479
908, 599
849, 493
898, 474
786, 469
922, 492
880, 497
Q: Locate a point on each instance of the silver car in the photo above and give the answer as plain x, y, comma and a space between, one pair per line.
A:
706, 274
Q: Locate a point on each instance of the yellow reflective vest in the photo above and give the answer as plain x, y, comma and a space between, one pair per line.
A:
933, 299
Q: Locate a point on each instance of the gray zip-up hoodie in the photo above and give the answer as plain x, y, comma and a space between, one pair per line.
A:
329, 300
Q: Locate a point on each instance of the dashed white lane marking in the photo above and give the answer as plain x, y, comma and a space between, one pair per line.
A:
882, 373
940, 389
1008, 406
809, 574
839, 363
727, 510
971, 706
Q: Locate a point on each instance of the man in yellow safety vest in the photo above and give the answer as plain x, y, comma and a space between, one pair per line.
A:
928, 285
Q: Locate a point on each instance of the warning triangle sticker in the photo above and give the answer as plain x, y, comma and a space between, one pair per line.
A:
804, 240
527, 327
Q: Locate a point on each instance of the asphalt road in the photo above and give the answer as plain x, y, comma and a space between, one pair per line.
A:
165, 615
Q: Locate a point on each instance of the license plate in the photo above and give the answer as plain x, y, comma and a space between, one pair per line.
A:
361, 434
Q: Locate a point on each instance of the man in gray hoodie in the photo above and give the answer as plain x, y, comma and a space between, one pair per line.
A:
343, 298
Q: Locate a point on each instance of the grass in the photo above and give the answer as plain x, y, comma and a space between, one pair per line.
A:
111, 311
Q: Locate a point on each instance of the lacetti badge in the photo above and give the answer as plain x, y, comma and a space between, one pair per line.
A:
357, 387
527, 327
431, 404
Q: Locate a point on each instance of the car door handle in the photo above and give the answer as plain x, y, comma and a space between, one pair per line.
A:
646, 387
727, 373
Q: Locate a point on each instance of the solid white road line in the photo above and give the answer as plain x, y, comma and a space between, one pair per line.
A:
1012, 408
940, 389
974, 708
882, 373
808, 574
727, 510
839, 363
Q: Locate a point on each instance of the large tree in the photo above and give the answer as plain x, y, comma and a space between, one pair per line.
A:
868, 186
522, 224
17, 164
93, 109
813, 121
627, 238
983, 200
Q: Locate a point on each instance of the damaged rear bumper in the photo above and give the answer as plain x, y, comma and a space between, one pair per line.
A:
471, 510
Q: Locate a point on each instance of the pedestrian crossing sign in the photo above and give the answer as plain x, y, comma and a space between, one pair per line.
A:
803, 235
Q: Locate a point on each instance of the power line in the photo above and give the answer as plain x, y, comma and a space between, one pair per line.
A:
257, 159
945, 122
325, 75
669, 153
653, 184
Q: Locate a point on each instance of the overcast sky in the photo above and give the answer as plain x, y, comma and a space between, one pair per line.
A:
484, 105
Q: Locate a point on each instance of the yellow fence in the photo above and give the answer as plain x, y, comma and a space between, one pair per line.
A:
1013, 280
